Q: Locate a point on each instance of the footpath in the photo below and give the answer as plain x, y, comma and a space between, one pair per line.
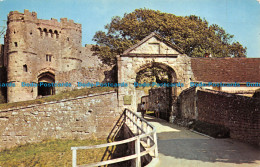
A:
179, 147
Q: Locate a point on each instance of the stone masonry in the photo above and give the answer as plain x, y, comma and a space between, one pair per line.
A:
82, 117
38, 50
152, 51
239, 114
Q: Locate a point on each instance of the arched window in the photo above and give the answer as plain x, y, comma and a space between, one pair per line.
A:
50, 31
56, 34
45, 31
40, 31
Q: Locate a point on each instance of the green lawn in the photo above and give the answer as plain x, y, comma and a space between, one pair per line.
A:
51, 153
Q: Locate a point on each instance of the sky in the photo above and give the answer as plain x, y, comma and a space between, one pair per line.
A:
240, 18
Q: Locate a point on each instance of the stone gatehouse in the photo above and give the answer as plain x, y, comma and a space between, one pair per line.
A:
49, 51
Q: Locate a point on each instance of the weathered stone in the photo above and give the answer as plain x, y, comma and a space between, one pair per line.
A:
30, 125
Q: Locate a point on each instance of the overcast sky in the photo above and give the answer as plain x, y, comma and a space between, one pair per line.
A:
238, 17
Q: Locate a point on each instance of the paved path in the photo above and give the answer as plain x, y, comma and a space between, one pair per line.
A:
179, 147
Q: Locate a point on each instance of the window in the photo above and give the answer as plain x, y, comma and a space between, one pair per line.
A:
40, 30
56, 34
25, 68
50, 31
46, 33
48, 58
15, 44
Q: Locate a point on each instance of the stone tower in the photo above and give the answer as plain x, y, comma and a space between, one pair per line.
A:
35, 50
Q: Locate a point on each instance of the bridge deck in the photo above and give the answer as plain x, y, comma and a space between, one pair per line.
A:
180, 147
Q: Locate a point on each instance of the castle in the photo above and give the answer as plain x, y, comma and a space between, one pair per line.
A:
48, 51
45, 51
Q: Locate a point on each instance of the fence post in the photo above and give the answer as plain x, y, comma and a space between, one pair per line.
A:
148, 138
74, 157
135, 125
137, 152
156, 146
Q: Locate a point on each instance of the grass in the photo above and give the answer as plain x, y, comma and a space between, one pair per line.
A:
64, 95
51, 153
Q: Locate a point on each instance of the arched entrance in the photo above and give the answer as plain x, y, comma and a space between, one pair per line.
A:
159, 82
153, 51
45, 86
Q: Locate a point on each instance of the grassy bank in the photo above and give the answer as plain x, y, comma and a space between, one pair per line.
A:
65, 95
51, 153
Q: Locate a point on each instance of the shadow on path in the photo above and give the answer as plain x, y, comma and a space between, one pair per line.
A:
180, 147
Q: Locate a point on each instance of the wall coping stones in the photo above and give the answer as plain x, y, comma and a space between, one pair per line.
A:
59, 101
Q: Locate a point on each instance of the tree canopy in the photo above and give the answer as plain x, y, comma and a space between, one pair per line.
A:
191, 33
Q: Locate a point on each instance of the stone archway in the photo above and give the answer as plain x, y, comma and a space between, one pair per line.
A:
146, 54
45, 86
155, 74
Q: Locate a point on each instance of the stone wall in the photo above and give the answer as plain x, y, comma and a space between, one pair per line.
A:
3, 90
85, 75
187, 104
1, 55
56, 54
238, 113
82, 117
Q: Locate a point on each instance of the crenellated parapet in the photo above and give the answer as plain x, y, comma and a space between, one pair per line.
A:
34, 44
15, 16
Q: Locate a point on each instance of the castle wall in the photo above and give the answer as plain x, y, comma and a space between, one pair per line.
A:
238, 113
35, 46
82, 117
1, 55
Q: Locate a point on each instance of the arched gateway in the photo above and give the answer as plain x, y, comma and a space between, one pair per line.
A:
44, 84
152, 51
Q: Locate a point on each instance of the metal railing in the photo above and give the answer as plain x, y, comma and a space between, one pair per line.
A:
142, 130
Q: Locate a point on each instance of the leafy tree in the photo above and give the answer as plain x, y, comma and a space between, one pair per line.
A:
191, 33
152, 74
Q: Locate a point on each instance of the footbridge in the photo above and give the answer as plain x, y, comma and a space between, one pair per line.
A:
144, 138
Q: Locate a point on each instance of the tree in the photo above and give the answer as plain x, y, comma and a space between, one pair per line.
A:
191, 33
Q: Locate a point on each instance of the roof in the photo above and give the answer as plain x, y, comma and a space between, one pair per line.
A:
226, 69
153, 34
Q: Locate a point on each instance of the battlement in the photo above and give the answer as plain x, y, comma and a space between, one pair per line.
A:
16, 16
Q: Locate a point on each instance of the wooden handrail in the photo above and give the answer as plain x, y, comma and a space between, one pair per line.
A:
133, 123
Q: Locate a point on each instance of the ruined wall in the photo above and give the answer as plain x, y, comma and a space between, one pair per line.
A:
187, 104
238, 113
82, 117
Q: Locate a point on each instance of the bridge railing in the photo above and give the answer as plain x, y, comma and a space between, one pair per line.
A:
142, 130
